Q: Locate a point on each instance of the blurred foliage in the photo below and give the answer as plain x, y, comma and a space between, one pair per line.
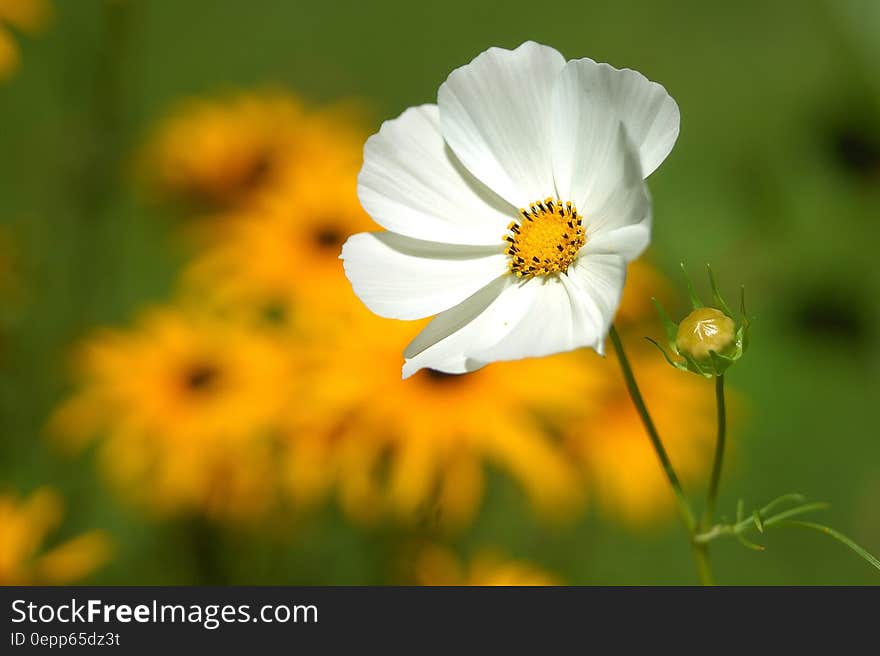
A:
775, 180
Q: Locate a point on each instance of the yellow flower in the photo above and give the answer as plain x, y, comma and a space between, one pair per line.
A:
610, 442
188, 405
24, 526
284, 251
643, 281
226, 153
439, 566
27, 16
8, 54
417, 448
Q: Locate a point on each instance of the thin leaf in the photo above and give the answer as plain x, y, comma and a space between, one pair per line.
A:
840, 537
794, 497
695, 300
677, 365
695, 366
793, 512
744, 340
716, 295
720, 363
758, 523
669, 325
748, 544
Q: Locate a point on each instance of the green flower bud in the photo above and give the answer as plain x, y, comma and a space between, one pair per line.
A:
708, 340
703, 330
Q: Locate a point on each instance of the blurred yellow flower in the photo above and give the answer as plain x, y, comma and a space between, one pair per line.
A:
284, 179
643, 281
439, 566
222, 154
417, 448
188, 405
8, 54
27, 16
24, 526
610, 442
283, 251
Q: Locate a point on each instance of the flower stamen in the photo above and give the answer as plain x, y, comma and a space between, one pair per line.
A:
545, 238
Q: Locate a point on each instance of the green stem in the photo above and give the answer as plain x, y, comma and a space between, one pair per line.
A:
701, 558
639, 402
98, 174
715, 480
687, 515
749, 523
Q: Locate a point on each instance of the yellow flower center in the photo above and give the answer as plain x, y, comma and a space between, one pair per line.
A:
545, 238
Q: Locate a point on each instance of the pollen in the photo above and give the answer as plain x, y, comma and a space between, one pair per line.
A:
545, 238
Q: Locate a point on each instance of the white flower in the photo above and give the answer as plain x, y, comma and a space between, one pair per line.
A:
512, 206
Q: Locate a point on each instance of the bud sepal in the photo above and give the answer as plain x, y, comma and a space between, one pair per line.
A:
707, 341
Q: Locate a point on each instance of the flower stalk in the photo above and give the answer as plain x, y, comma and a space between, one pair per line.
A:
709, 342
636, 396
718, 463
700, 550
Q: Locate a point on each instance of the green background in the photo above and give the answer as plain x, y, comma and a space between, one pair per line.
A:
775, 180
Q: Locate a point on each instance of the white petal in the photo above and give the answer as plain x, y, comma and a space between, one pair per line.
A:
597, 280
609, 191
496, 115
412, 184
648, 112
509, 319
585, 129
622, 204
585, 313
482, 320
551, 325
404, 278
628, 241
